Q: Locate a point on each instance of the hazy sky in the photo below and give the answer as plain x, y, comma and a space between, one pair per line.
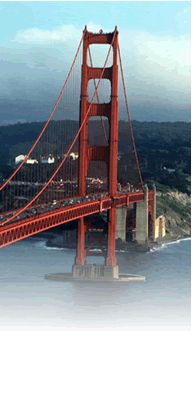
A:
38, 41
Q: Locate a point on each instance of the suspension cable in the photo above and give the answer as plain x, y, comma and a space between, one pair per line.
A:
129, 118
18, 212
48, 121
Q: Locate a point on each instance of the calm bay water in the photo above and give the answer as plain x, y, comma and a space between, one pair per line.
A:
27, 299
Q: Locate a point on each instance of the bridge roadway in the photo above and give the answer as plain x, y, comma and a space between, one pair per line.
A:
26, 227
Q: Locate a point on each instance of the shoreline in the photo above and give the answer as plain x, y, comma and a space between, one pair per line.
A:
164, 243
51, 241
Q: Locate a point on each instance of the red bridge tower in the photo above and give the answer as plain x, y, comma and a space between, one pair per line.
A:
107, 153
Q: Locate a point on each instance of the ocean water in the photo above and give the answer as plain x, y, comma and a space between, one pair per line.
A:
28, 299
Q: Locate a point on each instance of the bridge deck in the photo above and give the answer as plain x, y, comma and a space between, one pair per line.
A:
24, 228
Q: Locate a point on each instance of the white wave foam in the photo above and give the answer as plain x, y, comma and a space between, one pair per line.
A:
166, 244
154, 249
54, 248
186, 239
95, 250
41, 244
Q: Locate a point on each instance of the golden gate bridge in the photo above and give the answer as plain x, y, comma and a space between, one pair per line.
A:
82, 178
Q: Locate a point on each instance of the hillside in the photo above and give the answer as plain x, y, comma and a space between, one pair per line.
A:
164, 149
176, 207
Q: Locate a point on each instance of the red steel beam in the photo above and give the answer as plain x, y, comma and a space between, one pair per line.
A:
80, 250
111, 257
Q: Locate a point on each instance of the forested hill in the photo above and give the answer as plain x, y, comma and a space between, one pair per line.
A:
164, 149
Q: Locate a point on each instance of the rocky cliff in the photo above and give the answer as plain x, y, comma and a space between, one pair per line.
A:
176, 207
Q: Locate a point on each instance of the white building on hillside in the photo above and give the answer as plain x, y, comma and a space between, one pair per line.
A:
48, 160
19, 159
31, 161
74, 155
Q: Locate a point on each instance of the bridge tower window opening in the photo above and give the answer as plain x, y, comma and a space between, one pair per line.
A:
104, 92
96, 55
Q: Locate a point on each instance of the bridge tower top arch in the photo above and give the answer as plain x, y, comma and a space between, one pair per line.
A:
110, 110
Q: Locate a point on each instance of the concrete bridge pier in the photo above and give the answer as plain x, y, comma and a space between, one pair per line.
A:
121, 220
142, 227
154, 214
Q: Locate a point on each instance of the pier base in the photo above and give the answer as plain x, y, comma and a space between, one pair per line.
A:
95, 273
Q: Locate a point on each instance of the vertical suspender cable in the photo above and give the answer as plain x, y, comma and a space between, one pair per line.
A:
70, 147
129, 118
49, 119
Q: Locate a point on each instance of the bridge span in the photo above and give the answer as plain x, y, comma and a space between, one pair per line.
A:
81, 176
32, 225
